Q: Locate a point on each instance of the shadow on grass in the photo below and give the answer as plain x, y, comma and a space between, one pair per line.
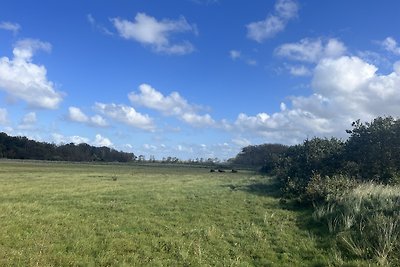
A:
305, 221
269, 188
260, 189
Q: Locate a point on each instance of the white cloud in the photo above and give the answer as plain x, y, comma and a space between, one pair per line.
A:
76, 115
242, 142
148, 30
76, 139
251, 62
148, 147
311, 50
261, 30
91, 19
102, 141
28, 121
374, 58
10, 26
390, 44
97, 26
234, 54
285, 10
127, 115
198, 120
29, 118
344, 89
22, 79
149, 97
98, 141
298, 70
25, 49
237, 55
98, 120
171, 105
3, 116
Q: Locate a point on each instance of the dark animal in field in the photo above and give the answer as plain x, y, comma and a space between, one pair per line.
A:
212, 170
234, 171
219, 170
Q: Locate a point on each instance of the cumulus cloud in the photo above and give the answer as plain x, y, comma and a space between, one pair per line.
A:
102, 141
76, 139
344, 89
390, 44
98, 120
149, 97
127, 115
170, 105
98, 141
149, 31
285, 10
22, 79
76, 115
311, 50
10, 26
198, 120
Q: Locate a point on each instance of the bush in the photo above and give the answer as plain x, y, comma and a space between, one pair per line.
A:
322, 189
301, 162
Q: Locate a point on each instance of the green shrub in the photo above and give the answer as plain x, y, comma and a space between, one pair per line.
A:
322, 189
301, 162
375, 149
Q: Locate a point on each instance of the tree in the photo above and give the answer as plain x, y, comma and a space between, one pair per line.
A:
21, 147
258, 156
374, 149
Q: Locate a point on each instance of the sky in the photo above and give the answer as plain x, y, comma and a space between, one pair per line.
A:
195, 78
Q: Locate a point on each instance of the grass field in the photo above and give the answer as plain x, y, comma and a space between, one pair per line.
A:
59, 214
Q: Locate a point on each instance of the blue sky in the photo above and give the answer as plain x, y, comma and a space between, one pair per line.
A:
195, 78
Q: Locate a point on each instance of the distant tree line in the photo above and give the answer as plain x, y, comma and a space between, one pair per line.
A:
20, 147
264, 156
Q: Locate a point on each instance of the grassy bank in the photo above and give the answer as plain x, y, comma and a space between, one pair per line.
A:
59, 214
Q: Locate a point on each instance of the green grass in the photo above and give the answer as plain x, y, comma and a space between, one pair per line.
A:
59, 214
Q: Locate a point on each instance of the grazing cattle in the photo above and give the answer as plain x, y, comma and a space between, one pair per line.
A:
219, 170
212, 170
234, 171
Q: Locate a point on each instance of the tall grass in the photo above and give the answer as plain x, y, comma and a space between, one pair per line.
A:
366, 221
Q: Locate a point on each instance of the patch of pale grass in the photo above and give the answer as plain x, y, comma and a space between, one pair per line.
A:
367, 221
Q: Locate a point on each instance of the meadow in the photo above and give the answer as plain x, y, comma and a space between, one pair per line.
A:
70, 214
